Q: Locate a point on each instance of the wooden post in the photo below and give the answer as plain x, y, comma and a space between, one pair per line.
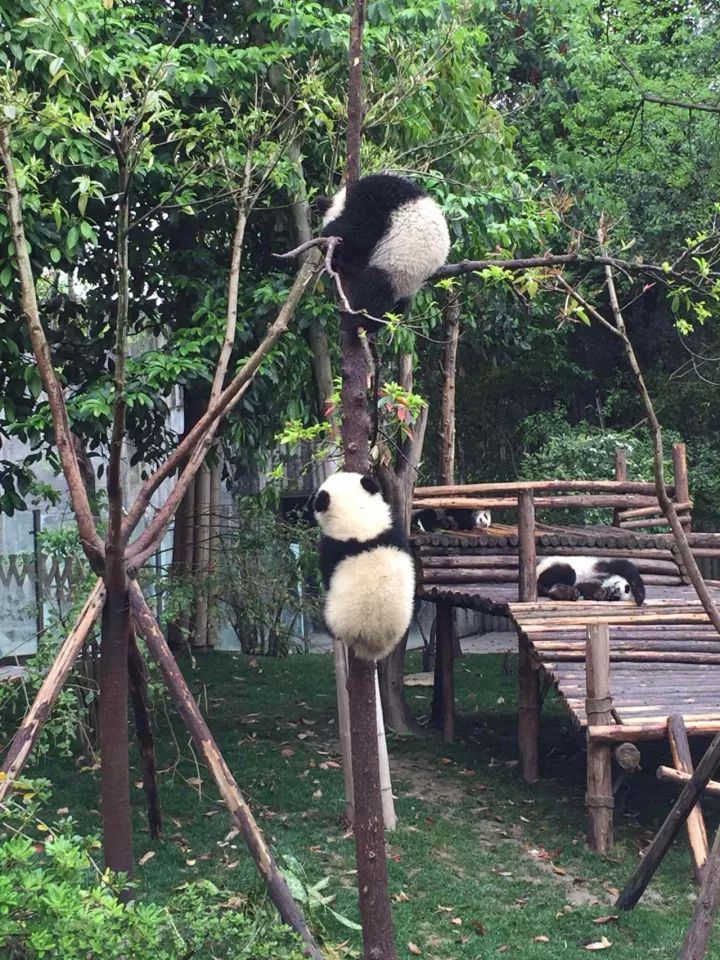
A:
620, 474
446, 433
682, 759
137, 682
528, 681
226, 783
445, 654
706, 906
682, 485
674, 822
33, 721
598, 706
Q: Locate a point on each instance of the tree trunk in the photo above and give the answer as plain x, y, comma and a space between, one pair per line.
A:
114, 746
451, 336
137, 675
201, 566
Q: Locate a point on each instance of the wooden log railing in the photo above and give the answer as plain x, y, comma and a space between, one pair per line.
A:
634, 503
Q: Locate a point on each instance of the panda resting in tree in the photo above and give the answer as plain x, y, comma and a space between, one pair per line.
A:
394, 237
366, 566
589, 578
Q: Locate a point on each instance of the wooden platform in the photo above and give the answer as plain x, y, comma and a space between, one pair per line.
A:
664, 658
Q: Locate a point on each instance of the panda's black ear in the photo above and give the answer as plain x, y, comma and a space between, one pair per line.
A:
322, 204
322, 501
367, 483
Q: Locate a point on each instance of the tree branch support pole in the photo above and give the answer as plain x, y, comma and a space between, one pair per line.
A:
621, 475
34, 720
528, 680
343, 705
229, 790
674, 822
598, 706
137, 675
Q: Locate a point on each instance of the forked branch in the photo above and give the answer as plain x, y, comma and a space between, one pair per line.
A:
89, 537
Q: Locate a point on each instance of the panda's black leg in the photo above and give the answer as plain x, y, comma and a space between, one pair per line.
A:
370, 291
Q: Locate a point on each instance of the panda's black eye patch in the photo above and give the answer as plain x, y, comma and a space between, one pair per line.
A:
322, 501
367, 483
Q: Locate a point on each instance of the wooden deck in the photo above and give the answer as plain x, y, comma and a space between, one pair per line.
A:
664, 658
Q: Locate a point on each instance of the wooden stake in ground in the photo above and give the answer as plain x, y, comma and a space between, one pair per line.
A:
706, 907
528, 681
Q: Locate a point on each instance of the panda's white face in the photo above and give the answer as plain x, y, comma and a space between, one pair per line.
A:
617, 588
349, 506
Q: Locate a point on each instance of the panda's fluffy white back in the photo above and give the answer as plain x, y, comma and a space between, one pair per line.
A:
416, 244
583, 566
370, 600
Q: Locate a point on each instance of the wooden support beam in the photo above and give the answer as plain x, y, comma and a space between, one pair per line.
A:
679, 779
445, 655
637, 732
696, 832
674, 822
598, 706
528, 680
512, 488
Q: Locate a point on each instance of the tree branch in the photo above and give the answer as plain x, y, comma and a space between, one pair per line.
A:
683, 104
668, 507
114, 484
92, 544
198, 440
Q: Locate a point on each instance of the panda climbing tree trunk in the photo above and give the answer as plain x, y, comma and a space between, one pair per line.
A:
373, 893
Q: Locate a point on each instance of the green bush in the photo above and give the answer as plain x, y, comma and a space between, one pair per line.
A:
57, 904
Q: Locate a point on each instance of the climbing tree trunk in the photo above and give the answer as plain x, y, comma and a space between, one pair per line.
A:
451, 336
137, 675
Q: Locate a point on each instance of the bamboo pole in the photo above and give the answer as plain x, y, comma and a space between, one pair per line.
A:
695, 826
226, 783
598, 708
34, 720
445, 665
636, 885
386, 794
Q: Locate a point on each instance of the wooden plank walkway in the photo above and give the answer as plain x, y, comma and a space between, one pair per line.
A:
664, 657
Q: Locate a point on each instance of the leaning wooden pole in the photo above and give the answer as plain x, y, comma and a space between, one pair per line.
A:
697, 937
226, 783
34, 720
682, 758
599, 798
674, 822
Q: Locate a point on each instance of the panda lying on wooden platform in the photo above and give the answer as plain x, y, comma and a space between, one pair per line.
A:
430, 519
589, 578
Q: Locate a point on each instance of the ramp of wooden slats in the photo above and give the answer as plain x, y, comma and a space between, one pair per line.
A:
664, 656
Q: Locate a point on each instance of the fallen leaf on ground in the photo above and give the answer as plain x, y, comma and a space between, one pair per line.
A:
145, 857
287, 752
601, 944
541, 938
401, 897
457, 921
414, 949
609, 919
478, 927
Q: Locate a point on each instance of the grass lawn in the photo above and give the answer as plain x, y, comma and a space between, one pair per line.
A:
480, 865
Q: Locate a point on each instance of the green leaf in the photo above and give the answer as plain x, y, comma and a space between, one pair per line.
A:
86, 230
55, 255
